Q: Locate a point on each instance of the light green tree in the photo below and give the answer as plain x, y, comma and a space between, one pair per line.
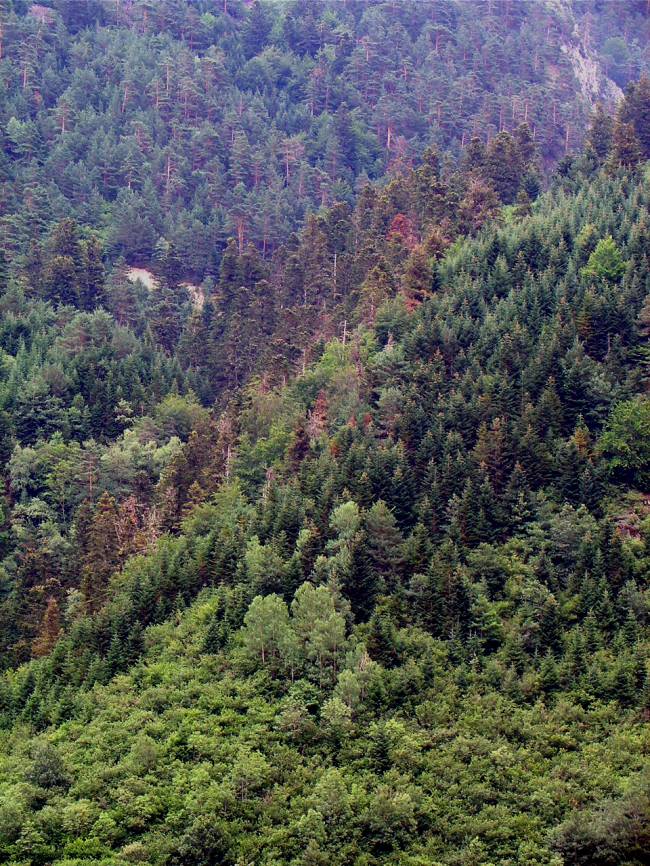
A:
626, 438
605, 262
319, 627
265, 627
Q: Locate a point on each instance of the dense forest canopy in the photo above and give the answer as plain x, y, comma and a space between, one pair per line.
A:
325, 433
193, 122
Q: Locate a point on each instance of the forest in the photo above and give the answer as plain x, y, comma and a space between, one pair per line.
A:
324, 433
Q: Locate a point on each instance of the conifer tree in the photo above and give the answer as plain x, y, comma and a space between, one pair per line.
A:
101, 552
4, 273
635, 111
384, 545
91, 287
600, 134
626, 149
50, 629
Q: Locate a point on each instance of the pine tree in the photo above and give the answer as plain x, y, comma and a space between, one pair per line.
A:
345, 134
474, 155
549, 676
523, 205
91, 285
550, 627
376, 288
383, 644
256, 30
600, 134
635, 110
626, 149
480, 204
50, 629
6, 438
418, 278
229, 277
631, 629
525, 146
65, 241
102, 547
167, 317
503, 166
171, 268
623, 682
61, 281
384, 546
426, 602
4, 273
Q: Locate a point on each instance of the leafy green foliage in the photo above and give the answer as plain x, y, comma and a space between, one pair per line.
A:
626, 438
605, 262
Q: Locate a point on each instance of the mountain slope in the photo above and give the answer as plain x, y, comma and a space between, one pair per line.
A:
191, 123
463, 676
192, 758
341, 556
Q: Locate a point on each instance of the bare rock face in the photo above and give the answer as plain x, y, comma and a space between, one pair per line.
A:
150, 282
595, 84
142, 275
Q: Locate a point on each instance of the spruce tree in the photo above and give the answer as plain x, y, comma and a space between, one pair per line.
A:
600, 134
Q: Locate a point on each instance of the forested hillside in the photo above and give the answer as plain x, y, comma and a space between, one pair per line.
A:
327, 540
192, 122
394, 610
